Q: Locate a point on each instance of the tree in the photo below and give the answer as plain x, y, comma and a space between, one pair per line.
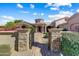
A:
10, 25
18, 21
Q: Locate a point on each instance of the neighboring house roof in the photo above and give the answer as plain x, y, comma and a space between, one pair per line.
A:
2, 28
73, 16
66, 18
60, 21
39, 19
25, 23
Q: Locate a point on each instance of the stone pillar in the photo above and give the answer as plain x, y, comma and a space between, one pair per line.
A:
54, 40
23, 40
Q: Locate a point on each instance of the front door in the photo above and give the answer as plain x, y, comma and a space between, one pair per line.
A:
39, 29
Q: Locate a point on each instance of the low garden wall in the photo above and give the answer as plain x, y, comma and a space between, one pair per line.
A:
6, 42
70, 43
15, 41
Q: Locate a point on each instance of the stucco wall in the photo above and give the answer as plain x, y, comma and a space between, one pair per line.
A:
73, 22
11, 37
62, 21
6, 38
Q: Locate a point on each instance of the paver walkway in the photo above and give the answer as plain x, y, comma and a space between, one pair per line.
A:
39, 48
41, 44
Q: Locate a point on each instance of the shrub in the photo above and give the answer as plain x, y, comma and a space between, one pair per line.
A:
70, 44
46, 35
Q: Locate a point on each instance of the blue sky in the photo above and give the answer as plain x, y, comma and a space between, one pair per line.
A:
30, 11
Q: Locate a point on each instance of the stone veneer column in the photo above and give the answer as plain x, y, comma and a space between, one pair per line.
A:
54, 40
22, 40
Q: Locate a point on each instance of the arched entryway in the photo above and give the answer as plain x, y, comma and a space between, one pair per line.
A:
39, 29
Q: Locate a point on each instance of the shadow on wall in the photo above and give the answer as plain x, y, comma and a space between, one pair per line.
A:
16, 40
44, 50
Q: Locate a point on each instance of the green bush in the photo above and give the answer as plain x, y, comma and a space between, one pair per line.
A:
5, 50
46, 35
70, 44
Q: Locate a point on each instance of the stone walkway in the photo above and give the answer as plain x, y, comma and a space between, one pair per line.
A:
39, 48
42, 46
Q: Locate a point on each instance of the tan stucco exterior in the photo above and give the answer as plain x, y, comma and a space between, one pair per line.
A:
73, 23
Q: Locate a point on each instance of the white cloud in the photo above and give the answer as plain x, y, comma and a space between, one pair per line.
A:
7, 17
25, 12
35, 14
19, 5
4, 19
67, 13
58, 4
60, 15
42, 14
54, 8
48, 4
32, 6
30, 21
77, 10
62, 4
55, 17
